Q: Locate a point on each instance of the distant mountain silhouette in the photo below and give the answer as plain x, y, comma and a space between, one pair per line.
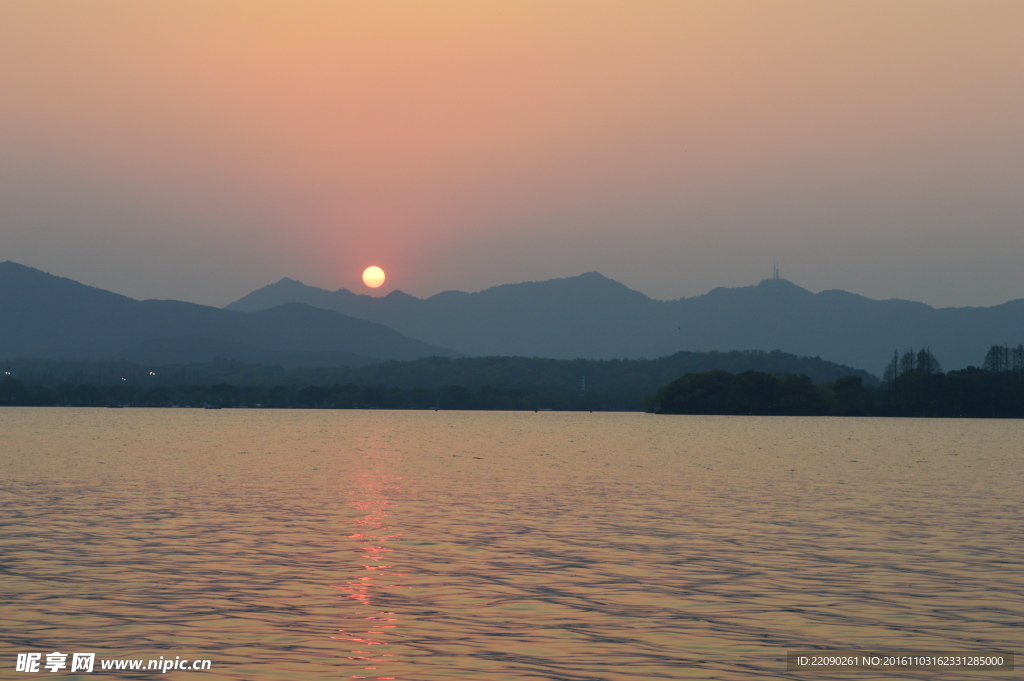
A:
591, 316
45, 316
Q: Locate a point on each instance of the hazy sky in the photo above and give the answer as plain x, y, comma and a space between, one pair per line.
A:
199, 150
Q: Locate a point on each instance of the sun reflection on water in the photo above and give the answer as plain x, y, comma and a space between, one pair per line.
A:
369, 626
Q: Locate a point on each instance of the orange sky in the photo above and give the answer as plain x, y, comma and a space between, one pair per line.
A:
198, 150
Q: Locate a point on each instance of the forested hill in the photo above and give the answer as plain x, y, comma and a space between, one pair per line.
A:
599, 384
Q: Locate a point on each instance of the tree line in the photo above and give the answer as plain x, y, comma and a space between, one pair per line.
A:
13, 392
464, 383
913, 385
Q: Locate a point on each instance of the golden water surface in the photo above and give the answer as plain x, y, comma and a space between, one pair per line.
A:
505, 546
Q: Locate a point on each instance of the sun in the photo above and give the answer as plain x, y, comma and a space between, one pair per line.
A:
373, 276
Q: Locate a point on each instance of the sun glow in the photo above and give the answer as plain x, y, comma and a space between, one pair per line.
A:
373, 276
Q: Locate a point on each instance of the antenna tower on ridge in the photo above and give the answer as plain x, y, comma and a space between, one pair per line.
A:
775, 269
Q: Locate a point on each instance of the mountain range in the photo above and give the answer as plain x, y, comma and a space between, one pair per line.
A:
590, 316
45, 316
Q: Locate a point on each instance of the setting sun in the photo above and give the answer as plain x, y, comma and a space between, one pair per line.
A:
373, 276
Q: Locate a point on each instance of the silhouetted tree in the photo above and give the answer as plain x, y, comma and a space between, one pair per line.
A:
926, 364
704, 393
13, 391
849, 395
800, 397
755, 392
997, 359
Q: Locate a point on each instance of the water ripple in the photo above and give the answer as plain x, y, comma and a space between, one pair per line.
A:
437, 546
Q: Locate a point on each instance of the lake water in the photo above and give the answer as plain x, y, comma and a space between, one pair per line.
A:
505, 546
